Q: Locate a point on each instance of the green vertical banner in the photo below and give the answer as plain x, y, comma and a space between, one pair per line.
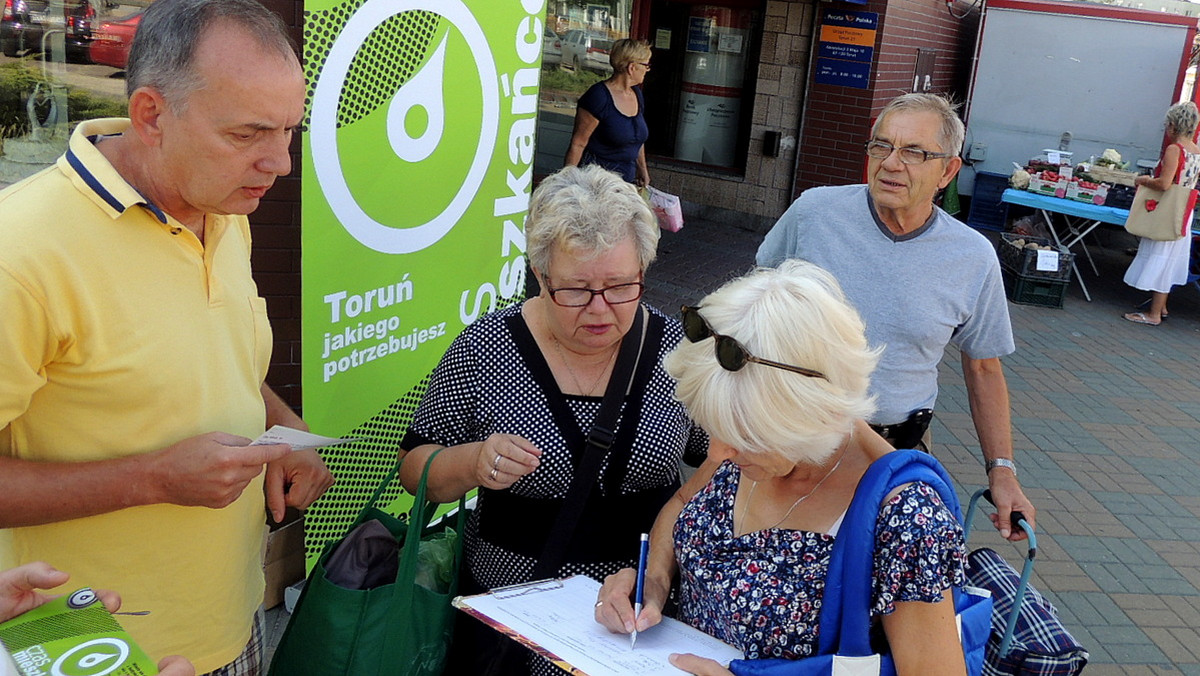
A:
417, 170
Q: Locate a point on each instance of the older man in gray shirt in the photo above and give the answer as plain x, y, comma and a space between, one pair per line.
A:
920, 279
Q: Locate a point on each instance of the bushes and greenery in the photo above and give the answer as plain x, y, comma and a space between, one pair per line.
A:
568, 80
18, 79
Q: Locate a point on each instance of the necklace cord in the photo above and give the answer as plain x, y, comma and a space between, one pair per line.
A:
802, 498
575, 376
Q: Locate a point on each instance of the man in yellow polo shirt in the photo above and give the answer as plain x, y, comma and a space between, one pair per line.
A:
134, 345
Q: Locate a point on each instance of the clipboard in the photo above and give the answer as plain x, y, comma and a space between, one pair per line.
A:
556, 620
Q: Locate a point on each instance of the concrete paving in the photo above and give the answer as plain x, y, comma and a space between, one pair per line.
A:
1106, 426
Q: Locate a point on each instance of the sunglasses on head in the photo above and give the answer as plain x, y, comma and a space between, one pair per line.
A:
731, 354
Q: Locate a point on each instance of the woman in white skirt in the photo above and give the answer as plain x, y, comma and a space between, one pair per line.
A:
1159, 266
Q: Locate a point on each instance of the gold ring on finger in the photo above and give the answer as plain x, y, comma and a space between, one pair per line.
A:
493, 474
496, 462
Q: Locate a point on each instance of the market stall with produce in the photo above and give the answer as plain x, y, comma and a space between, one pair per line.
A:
1072, 200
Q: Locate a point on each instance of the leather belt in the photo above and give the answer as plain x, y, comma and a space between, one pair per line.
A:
907, 434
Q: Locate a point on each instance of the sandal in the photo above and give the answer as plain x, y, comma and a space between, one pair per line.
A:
1140, 318
1146, 303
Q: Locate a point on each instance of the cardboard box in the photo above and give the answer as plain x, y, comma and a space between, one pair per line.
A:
1090, 195
1054, 189
283, 559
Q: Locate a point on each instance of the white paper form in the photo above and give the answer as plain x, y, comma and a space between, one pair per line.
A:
297, 439
561, 620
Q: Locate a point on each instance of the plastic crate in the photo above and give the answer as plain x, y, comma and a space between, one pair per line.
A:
1023, 261
1026, 290
1120, 197
988, 212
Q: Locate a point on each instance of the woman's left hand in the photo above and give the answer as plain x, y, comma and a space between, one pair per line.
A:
700, 666
642, 179
502, 459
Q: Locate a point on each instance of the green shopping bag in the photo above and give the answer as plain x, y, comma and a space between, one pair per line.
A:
402, 628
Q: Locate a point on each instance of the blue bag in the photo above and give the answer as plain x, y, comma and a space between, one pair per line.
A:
844, 637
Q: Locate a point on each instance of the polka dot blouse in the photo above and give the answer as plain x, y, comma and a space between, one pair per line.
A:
483, 386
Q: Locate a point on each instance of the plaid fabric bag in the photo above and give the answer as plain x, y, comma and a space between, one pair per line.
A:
1041, 644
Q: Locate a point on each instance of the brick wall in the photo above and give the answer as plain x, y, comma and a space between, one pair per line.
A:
838, 119
275, 227
925, 24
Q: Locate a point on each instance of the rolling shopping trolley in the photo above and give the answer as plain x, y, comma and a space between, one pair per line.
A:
1027, 636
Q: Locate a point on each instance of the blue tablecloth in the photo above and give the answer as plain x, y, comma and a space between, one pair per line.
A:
1059, 205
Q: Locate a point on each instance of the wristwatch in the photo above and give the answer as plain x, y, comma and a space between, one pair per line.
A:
1000, 462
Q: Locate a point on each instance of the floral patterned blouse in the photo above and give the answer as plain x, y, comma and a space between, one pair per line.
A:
762, 591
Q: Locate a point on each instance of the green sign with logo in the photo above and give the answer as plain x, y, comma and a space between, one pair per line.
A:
416, 176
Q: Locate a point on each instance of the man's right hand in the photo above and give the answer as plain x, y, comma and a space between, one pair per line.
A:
211, 470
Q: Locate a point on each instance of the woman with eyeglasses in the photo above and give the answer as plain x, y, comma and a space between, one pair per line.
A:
517, 393
775, 368
610, 125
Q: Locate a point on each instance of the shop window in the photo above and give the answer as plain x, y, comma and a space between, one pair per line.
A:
52, 77
700, 94
575, 44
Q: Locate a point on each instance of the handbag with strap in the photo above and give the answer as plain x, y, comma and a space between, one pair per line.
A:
845, 624
1162, 215
398, 627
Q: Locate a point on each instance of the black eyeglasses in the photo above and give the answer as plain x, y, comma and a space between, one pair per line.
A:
580, 296
881, 150
731, 354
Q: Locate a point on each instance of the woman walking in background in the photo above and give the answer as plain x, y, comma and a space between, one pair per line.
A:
610, 128
1159, 266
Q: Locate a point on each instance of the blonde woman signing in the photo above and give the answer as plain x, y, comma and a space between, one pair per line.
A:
776, 369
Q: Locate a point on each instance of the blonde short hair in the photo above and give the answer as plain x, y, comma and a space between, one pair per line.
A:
627, 51
795, 314
1182, 118
588, 210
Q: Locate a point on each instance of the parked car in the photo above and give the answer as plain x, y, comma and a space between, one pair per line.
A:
551, 48
581, 49
111, 41
24, 22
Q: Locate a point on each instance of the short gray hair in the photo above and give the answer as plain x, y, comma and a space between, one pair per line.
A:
164, 46
795, 314
952, 133
1182, 118
590, 211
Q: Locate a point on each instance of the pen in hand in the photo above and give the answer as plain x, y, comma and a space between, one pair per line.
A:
638, 594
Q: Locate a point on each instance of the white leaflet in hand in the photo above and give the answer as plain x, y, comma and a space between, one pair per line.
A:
298, 440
